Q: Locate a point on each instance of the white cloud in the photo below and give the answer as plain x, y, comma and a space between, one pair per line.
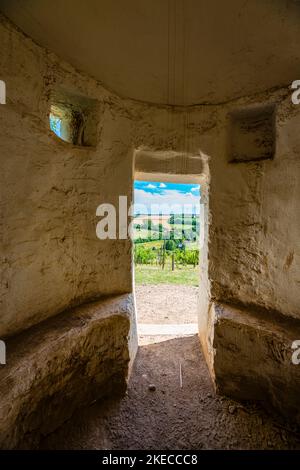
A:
195, 189
151, 186
170, 197
162, 185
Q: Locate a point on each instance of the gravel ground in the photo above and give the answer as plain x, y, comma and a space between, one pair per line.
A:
166, 303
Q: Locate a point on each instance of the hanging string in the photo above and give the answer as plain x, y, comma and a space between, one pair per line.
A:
168, 118
173, 18
183, 90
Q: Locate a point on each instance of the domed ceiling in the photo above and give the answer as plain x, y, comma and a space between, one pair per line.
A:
170, 51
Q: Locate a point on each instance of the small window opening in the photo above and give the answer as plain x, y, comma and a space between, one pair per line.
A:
74, 119
55, 123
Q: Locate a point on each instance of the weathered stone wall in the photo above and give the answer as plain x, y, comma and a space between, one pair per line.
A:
255, 232
51, 189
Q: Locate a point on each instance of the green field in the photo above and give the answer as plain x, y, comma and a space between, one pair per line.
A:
149, 274
158, 243
151, 244
148, 254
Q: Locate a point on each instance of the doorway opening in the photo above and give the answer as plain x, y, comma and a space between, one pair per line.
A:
166, 259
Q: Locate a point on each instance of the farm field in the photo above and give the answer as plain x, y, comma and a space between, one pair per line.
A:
170, 260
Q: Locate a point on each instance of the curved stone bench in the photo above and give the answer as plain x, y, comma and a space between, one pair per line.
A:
62, 364
253, 358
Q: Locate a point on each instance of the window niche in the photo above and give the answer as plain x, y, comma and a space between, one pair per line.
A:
252, 134
74, 118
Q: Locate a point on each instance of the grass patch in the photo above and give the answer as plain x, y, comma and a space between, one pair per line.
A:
151, 244
148, 274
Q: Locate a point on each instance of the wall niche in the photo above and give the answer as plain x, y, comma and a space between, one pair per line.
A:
252, 134
74, 118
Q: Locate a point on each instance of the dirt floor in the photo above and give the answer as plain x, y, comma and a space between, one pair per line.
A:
157, 412
166, 303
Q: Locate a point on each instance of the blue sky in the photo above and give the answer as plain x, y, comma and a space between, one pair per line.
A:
149, 193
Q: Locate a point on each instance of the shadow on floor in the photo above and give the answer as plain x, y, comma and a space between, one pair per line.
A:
171, 417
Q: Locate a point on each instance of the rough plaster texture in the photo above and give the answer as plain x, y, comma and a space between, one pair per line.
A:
64, 363
170, 166
252, 134
52, 257
254, 251
51, 189
254, 226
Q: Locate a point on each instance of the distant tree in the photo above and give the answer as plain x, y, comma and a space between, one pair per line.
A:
160, 231
170, 245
